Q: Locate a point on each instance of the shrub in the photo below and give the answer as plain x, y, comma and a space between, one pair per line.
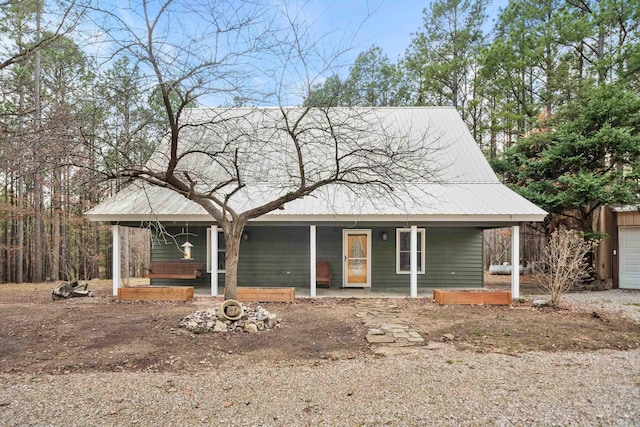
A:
563, 263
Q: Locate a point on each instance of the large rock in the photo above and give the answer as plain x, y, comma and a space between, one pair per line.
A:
252, 328
380, 339
220, 327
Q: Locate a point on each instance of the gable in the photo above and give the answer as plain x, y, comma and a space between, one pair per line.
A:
458, 183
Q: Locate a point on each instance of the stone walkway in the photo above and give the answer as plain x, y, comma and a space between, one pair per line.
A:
387, 332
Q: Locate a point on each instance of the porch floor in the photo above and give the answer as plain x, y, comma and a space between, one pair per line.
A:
345, 292
527, 287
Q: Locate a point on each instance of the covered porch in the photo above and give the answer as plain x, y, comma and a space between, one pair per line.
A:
384, 259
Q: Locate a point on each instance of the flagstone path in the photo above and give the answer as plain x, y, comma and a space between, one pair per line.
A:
387, 331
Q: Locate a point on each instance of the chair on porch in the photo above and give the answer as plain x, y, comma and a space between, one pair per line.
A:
323, 273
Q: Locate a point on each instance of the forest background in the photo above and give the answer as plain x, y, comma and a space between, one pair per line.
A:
549, 90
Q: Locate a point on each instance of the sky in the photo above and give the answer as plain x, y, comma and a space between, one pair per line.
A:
356, 24
389, 24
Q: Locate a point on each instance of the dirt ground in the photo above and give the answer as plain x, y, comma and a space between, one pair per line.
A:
38, 335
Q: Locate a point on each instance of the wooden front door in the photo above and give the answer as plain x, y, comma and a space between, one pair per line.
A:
357, 258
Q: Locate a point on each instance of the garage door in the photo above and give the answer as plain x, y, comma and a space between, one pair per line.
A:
629, 238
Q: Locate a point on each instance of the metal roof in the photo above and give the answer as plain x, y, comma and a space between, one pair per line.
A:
465, 189
626, 208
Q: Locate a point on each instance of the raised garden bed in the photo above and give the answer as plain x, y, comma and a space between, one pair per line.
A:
266, 294
475, 297
156, 293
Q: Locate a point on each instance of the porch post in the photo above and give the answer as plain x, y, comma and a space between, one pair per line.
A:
413, 259
214, 260
515, 261
312, 260
115, 262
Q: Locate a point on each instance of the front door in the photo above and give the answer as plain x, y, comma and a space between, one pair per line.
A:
356, 250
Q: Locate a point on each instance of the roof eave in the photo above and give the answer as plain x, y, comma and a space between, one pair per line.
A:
503, 218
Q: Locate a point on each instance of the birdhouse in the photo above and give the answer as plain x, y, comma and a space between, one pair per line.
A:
187, 250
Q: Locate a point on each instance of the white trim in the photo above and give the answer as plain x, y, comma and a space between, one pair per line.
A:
210, 248
413, 280
422, 232
501, 219
312, 260
212, 257
627, 233
115, 266
345, 234
515, 261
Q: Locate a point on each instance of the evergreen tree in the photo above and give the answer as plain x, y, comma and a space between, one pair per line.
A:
441, 59
521, 68
373, 81
585, 157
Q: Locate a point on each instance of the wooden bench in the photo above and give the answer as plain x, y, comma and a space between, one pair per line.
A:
173, 270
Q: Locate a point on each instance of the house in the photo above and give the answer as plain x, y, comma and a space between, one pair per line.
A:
618, 255
429, 235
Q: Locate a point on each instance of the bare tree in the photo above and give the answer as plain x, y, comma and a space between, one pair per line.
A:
563, 263
242, 163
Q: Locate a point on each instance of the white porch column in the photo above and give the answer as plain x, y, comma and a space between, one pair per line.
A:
115, 263
312, 260
413, 259
214, 260
515, 261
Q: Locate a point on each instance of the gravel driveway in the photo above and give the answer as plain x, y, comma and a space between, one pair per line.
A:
434, 387
623, 302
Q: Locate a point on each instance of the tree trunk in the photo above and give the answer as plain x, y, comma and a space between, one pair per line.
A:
56, 199
602, 33
37, 229
37, 181
20, 201
65, 225
6, 277
20, 234
233, 237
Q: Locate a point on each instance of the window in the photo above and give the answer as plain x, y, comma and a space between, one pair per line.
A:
403, 250
221, 251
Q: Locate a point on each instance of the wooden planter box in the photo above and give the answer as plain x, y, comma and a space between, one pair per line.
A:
266, 294
472, 297
160, 293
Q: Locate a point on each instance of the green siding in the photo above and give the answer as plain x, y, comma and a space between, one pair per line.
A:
454, 257
274, 256
166, 249
279, 256
329, 248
